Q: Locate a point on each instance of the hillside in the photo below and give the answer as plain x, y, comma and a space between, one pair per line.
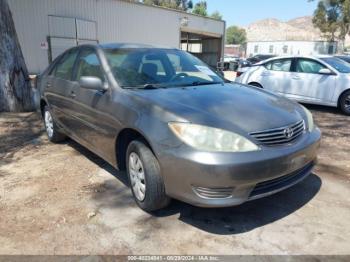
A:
273, 30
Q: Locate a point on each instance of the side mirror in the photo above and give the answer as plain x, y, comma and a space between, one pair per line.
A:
325, 71
92, 82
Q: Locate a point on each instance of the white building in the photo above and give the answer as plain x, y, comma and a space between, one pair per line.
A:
46, 28
290, 48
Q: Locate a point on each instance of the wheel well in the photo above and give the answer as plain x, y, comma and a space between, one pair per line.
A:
122, 142
347, 90
255, 84
42, 105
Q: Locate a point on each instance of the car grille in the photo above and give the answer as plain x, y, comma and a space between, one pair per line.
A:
215, 193
277, 184
281, 135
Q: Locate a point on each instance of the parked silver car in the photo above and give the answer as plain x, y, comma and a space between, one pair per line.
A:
175, 126
323, 80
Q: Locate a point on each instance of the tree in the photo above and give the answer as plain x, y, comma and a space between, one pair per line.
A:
174, 4
15, 91
216, 15
326, 19
332, 18
235, 35
200, 8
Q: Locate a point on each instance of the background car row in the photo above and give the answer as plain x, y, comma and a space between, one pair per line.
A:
323, 80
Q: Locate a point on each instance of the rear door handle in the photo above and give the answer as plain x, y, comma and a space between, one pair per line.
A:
48, 85
296, 77
72, 94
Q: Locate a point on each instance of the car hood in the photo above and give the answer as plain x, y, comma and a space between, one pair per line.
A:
228, 106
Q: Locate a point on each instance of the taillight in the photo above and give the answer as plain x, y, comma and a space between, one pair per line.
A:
238, 73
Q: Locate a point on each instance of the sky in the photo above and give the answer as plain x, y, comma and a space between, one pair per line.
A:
244, 12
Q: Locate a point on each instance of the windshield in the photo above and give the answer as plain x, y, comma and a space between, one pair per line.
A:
154, 67
340, 65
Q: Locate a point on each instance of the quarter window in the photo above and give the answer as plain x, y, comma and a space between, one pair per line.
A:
279, 65
64, 67
89, 65
308, 66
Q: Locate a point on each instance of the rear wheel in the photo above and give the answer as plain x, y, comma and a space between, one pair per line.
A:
146, 182
344, 103
255, 84
51, 128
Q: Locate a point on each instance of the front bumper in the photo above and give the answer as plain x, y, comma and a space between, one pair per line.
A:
228, 179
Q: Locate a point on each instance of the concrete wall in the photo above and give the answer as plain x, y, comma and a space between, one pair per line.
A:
116, 21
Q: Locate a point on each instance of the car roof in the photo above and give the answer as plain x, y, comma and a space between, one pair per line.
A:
316, 57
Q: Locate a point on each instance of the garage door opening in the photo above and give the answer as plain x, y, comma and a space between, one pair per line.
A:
206, 48
67, 32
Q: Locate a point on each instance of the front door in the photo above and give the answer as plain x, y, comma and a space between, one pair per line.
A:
309, 85
94, 123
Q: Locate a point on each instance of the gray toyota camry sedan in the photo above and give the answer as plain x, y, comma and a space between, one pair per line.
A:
175, 126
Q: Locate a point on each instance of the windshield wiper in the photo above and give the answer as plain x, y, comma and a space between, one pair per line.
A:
152, 86
145, 86
169, 85
201, 83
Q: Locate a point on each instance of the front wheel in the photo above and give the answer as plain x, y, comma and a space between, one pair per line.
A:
344, 103
51, 128
145, 179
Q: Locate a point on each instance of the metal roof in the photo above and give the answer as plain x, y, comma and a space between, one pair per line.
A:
131, 45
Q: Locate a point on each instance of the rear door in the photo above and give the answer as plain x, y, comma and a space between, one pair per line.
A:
308, 84
276, 76
58, 89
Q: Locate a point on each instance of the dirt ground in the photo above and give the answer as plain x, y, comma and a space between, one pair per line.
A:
62, 199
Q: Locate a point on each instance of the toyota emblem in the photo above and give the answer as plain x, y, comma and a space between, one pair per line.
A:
288, 132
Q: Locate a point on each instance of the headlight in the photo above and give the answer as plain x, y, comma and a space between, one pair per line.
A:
310, 119
211, 139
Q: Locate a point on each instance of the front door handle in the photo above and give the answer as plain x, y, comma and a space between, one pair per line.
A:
48, 85
72, 94
296, 77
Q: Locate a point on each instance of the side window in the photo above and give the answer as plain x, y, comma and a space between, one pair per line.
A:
89, 65
64, 68
308, 66
279, 65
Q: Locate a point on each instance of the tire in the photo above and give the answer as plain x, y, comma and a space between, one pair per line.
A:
256, 85
344, 103
51, 128
146, 182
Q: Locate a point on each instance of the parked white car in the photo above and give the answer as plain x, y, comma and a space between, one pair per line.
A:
323, 80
